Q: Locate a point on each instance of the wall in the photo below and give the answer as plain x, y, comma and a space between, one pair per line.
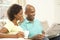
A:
57, 11
4, 6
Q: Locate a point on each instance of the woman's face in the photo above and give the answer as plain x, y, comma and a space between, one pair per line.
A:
19, 16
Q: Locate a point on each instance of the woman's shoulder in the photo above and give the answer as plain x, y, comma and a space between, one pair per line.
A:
8, 24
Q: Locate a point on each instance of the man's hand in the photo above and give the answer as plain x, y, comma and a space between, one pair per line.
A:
43, 33
20, 34
38, 37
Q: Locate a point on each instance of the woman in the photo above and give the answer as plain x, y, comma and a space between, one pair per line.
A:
11, 29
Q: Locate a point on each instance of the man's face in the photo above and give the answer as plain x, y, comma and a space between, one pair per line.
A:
31, 13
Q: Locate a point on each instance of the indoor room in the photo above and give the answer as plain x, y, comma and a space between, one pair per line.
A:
46, 13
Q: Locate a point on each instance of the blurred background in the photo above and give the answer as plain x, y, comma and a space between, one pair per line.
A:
46, 10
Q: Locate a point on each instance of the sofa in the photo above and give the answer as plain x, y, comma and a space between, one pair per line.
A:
52, 32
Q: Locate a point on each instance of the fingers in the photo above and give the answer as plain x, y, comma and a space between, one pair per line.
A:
20, 34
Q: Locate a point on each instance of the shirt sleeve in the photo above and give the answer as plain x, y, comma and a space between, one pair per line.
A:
8, 27
41, 26
19, 28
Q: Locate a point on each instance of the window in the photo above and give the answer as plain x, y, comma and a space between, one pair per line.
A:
4, 5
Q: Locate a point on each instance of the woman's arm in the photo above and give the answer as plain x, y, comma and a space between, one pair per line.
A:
3, 30
18, 35
2, 35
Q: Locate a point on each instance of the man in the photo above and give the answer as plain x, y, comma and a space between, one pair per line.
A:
33, 25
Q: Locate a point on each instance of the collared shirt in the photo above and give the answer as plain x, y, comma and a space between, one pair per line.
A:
13, 29
34, 27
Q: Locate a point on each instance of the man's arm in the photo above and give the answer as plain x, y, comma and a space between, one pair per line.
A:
43, 34
39, 36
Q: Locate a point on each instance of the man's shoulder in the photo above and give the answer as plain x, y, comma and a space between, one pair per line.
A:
36, 20
8, 23
23, 23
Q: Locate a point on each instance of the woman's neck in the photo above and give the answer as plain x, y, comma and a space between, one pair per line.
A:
15, 22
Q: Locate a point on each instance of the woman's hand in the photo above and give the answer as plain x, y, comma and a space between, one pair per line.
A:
20, 35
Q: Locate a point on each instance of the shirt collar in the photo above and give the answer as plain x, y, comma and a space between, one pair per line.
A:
28, 21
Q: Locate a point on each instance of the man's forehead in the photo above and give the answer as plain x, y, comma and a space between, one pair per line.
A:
30, 7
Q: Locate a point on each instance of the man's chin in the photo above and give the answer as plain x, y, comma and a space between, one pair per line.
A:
32, 19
